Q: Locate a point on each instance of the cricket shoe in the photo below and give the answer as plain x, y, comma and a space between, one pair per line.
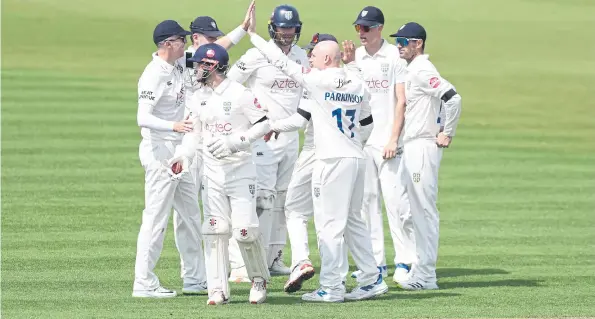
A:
258, 292
325, 295
239, 275
369, 291
417, 284
158, 292
278, 268
383, 270
195, 289
402, 273
217, 298
302, 272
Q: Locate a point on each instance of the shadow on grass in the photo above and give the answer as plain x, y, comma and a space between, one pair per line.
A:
494, 283
459, 272
393, 294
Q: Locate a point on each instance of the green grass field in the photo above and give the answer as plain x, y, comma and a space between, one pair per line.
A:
517, 188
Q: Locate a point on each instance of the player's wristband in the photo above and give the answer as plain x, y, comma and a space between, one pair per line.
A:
236, 35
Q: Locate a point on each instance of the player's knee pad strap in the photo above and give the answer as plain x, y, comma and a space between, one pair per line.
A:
252, 249
265, 199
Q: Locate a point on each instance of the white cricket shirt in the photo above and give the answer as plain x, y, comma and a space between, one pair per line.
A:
161, 88
277, 92
232, 108
382, 71
341, 101
423, 90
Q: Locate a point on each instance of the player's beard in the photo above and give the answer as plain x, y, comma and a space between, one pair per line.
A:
285, 39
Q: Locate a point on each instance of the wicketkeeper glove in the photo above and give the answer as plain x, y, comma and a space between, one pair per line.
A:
223, 146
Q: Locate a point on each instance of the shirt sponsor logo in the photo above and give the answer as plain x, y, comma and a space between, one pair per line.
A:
146, 95
377, 84
241, 65
343, 97
284, 86
180, 96
217, 127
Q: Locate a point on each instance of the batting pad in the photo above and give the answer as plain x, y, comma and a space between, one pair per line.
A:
216, 241
252, 249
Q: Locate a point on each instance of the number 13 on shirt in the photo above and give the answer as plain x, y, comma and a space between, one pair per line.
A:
338, 113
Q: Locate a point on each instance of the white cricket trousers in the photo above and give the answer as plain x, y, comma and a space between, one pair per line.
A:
161, 194
299, 209
421, 161
382, 181
275, 162
189, 274
337, 185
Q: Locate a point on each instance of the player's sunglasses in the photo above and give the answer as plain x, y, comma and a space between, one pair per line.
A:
404, 41
176, 39
365, 28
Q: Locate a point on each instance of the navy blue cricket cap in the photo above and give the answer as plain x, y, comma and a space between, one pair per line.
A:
319, 37
370, 16
211, 51
166, 29
411, 30
207, 26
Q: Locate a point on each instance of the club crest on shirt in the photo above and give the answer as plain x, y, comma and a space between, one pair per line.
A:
252, 189
316, 191
384, 67
416, 177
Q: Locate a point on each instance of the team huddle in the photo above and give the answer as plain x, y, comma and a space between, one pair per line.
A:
375, 122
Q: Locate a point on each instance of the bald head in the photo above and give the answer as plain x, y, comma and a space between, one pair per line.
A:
326, 54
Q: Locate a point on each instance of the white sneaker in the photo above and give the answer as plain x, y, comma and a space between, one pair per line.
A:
239, 275
370, 291
383, 270
278, 268
258, 292
402, 273
159, 292
195, 289
217, 298
324, 295
356, 273
302, 272
417, 284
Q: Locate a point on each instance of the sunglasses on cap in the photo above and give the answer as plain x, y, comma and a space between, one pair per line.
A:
365, 28
404, 41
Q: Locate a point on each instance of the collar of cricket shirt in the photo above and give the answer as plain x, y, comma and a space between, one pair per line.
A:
166, 66
222, 86
291, 50
381, 52
416, 61
191, 49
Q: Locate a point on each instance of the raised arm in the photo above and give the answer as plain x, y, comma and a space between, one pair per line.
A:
277, 58
234, 37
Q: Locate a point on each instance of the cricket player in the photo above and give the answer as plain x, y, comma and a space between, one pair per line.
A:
230, 121
423, 141
274, 160
340, 102
384, 73
299, 206
204, 30
161, 96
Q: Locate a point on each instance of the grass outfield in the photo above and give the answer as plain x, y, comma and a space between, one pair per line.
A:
517, 188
